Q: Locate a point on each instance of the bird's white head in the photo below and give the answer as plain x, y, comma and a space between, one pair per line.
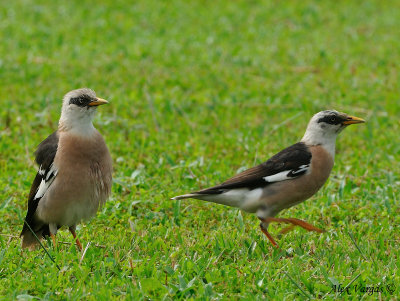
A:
324, 127
78, 109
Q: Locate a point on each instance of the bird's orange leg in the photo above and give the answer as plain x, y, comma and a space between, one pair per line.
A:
53, 237
295, 222
287, 229
78, 243
268, 235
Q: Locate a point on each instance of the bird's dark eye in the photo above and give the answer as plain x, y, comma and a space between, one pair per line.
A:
80, 101
330, 119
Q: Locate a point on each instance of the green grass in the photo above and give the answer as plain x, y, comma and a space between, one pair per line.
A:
198, 91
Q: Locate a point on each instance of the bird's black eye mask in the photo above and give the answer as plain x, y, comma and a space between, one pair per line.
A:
331, 119
81, 101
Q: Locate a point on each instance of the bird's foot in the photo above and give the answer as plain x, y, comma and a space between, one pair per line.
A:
78, 243
268, 235
293, 221
286, 230
53, 237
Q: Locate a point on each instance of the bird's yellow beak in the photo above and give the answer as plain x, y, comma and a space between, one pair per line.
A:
98, 102
353, 120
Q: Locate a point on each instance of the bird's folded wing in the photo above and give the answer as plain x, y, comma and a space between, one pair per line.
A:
45, 154
290, 163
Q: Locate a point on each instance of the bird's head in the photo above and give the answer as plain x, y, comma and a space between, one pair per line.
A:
326, 125
79, 107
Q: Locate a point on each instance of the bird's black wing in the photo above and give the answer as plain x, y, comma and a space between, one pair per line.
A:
45, 154
289, 163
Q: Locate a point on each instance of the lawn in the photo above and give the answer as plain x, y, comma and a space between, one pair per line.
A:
198, 91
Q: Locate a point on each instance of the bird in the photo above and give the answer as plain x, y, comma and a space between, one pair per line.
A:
74, 178
288, 178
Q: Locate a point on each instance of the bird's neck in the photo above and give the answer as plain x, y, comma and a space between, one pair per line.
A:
328, 142
77, 125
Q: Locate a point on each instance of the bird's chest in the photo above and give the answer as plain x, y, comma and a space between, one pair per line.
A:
321, 167
82, 184
84, 170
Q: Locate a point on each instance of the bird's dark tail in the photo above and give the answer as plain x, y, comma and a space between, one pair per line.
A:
186, 196
30, 237
30, 243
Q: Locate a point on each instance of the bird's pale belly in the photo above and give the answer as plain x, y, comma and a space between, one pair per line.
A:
243, 198
68, 204
69, 210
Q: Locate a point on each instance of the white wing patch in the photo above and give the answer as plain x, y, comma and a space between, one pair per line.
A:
47, 179
284, 175
301, 169
41, 171
280, 176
